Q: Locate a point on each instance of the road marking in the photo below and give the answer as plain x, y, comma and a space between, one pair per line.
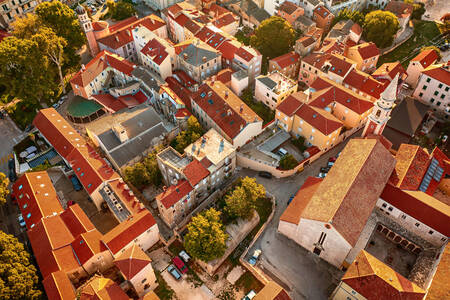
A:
4, 159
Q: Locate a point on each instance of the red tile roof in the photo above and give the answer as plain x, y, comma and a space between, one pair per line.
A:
439, 73
389, 70
179, 90
122, 24
118, 39
356, 29
322, 11
339, 65
132, 261
186, 80
364, 83
36, 197
174, 193
126, 195
156, 51
399, 8
247, 56
109, 102
204, 34
98, 64
287, 59
289, 106
76, 220
192, 26
183, 113
224, 76
182, 20
228, 50
216, 40
195, 172
426, 58
58, 286
317, 120
367, 50
420, 206
101, 288
306, 41
128, 230
217, 10
98, 26
174, 9
288, 7
86, 245
224, 20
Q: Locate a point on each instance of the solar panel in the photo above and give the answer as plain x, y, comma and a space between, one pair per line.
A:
438, 174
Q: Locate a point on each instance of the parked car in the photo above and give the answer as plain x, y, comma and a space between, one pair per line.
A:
332, 159
282, 152
76, 183
21, 221
325, 169
330, 164
180, 264
265, 174
290, 199
70, 203
11, 164
55, 105
322, 175
173, 271
250, 295
12, 175
184, 256
252, 260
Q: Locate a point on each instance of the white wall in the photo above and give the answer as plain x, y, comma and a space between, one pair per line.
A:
148, 275
145, 241
247, 133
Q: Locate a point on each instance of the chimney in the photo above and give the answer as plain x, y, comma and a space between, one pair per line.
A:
83, 67
209, 93
229, 112
226, 94
241, 109
204, 59
117, 38
185, 56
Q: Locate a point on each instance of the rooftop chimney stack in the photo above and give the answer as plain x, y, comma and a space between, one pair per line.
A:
117, 38
204, 59
185, 56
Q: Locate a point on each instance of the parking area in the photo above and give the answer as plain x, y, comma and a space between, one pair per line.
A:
186, 290
292, 149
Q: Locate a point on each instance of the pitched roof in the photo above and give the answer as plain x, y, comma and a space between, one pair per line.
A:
58, 286
292, 213
407, 116
272, 291
156, 51
373, 279
76, 220
98, 64
347, 196
322, 11
101, 288
364, 83
197, 51
421, 206
174, 193
288, 7
439, 72
367, 50
228, 50
204, 34
318, 119
356, 29
224, 20
440, 288
128, 230
87, 244
244, 53
179, 91
426, 58
36, 197
109, 102
289, 106
306, 41
132, 261
389, 70
399, 8
195, 172
287, 59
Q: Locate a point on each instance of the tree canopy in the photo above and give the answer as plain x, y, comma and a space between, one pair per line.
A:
380, 27
242, 201
206, 238
273, 37
144, 173
288, 162
18, 279
186, 137
348, 14
120, 10
4, 191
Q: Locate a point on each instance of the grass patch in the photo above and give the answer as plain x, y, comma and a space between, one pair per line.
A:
249, 282
424, 31
163, 291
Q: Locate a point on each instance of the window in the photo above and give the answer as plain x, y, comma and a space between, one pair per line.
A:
430, 232
436, 93
431, 100
420, 94
417, 224
144, 280
20, 187
29, 215
442, 96
82, 174
446, 89
384, 205
89, 185
443, 239
438, 103
403, 217
440, 85
424, 87
390, 208
428, 79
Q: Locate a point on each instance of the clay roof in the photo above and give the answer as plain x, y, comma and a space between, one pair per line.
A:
150, 296
128, 230
100, 63
224, 76
272, 291
288, 7
76, 220
123, 192
122, 24
58, 286
322, 11
321, 120
289, 106
426, 58
224, 20
204, 34
347, 196
399, 8
356, 29
109, 102
293, 212
367, 50
373, 279
439, 72
178, 91
174, 193
364, 83
440, 287
287, 59
228, 50
195, 172
100, 288
156, 51
421, 206
389, 70
217, 10
36, 197
132, 261
306, 41
87, 244
242, 52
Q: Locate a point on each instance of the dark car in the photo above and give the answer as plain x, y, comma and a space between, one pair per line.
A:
325, 169
76, 183
12, 175
265, 174
179, 264
173, 271
290, 199
11, 164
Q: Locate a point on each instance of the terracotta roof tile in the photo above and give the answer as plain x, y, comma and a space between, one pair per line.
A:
289, 106
439, 73
124, 193
109, 102
179, 91
156, 51
288, 7
399, 8
224, 20
86, 245
76, 220
228, 50
247, 56
287, 59
58, 286
195, 172
356, 29
306, 41
318, 120
364, 83
127, 231
440, 288
367, 50
426, 58
174, 193
100, 288
322, 11
132, 261
204, 34
389, 70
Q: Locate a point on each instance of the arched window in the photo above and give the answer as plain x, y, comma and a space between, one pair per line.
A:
378, 113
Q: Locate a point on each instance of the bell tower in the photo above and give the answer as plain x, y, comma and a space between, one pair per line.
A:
86, 25
381, 111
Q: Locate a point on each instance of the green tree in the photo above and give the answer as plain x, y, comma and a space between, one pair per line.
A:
120, 10
432, 48
186, 137
242, 201
18, 279
154, 174
348, 14
194, 126
418, 10
273, 37
288, 162
137, 175
4, 191
380, 27
206, 238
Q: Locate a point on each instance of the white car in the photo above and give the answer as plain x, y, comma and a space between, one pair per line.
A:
250, 295
21, 221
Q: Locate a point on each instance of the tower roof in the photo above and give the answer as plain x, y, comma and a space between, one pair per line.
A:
80, 10
390, 93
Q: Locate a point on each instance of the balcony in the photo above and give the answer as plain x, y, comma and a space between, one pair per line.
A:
22, 2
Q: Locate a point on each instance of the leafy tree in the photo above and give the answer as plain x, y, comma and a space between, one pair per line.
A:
18, 279
153, 171
288, 162
418, 10
186, 137
25, 70
137, 175
120, 10
194, 126
4, 191
380, 27
273, 37
206, 238
432, 48
299, 143
348, 14
242, 201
